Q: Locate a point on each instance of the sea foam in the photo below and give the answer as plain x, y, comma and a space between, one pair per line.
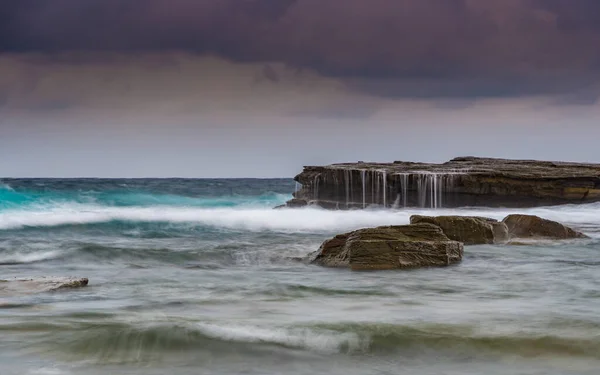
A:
305, 220
304, 338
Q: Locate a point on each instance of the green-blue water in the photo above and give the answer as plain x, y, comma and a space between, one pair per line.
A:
203, 277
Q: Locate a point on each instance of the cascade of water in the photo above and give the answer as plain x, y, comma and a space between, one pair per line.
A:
351, 189
405, 190
396, 204
316, 188
376, 176
433, 181
347, 186
430, 179
297, 187
422, 188
440, 190
384, 179
372, 187
364, 190
431, 187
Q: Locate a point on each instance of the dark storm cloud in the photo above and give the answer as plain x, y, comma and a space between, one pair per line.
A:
574, 15
391, 48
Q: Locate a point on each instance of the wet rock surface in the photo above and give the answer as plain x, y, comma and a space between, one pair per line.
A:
469, 230
391, 247
463, 181
21, 286
535, 227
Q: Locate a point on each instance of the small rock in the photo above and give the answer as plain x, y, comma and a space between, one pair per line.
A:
39, 285
530, 226
294, 203
470, 230
392, 247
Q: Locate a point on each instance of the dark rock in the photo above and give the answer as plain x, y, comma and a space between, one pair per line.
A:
39, 285
469, 230
529, 226
392, 247
465, 181
295, 202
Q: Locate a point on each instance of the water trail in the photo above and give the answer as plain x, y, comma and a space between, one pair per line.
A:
431, 188
404, 180
384, 178
378, 195
364, 190
396, 204
372, 187
347, 185
351, 190
421, 189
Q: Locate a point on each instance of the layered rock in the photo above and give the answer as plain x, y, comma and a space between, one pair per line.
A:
464, 181
391, 247
469, 230
532, 227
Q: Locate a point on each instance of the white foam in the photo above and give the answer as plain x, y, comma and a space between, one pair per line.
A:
47, 371
261, 219
30, 257
321, 341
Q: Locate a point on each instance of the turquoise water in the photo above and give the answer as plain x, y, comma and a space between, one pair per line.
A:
203, 277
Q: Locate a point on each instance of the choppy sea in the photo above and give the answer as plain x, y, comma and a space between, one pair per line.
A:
202, 277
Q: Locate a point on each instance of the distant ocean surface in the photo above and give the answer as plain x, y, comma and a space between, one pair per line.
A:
202, 277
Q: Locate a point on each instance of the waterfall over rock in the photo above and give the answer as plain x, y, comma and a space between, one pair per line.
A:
465, 181
419, 189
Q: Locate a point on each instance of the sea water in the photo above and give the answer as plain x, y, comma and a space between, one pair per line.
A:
204, 277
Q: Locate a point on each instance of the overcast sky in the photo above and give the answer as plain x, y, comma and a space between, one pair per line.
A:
259, 88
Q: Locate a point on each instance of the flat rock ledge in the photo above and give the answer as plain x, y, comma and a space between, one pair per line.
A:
463, 181
19, 286
390, 247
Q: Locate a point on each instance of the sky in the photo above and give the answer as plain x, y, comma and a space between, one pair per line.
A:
260, 88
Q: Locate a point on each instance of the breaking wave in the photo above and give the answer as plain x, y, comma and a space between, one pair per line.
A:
124, 341
253, 218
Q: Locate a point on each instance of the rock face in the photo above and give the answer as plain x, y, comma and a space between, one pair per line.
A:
392, 247
469, 230
39, 285
528, 226
464, 181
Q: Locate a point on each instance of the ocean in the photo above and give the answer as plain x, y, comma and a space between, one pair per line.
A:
205, 277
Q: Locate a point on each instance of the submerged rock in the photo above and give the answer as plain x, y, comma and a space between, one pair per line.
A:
293, 203
39, 285
391, 247
470, 230
530, 226
297, 203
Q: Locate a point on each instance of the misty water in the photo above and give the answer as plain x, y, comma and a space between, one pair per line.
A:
203, 277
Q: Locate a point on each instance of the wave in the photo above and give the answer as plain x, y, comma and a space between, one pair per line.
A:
30, 257
250, 218
4, 186
10, 198
122, 341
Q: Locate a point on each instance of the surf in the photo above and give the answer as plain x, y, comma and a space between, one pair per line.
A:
254, 216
